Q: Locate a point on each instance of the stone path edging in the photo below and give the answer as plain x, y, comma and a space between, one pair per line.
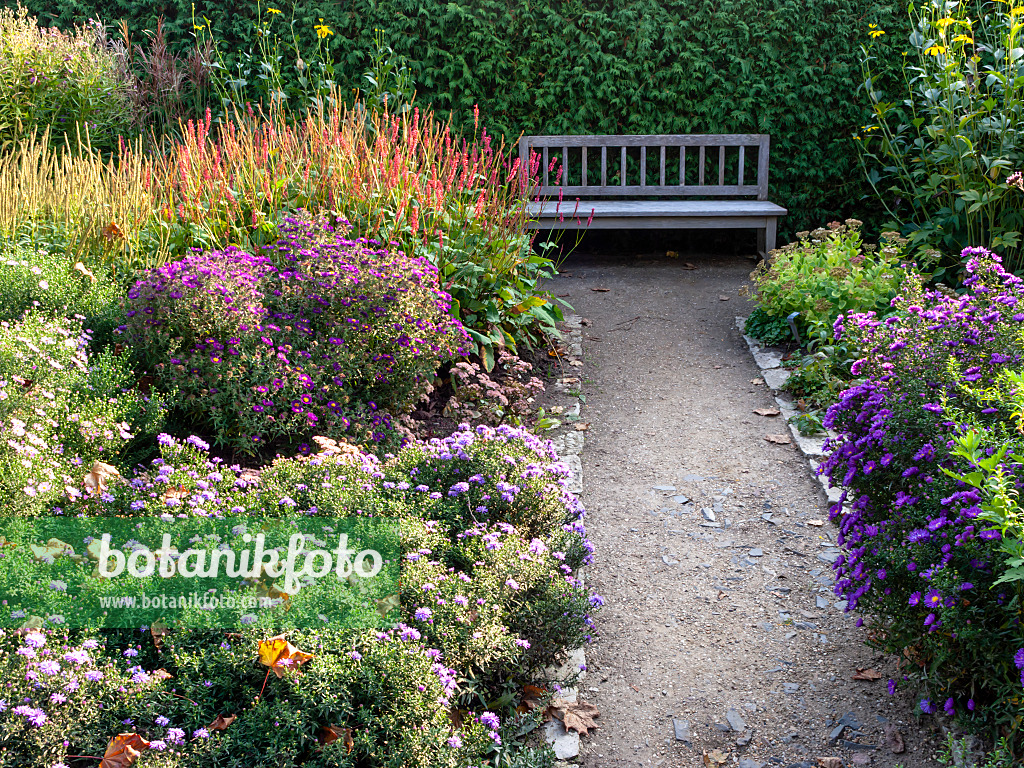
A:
775, 376
568, 442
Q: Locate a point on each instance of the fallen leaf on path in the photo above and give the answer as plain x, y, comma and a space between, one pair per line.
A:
123, 750
635, 688
757, 381
576, 363
715, 758
894, 739
723, 298
585, 321
767, 411
717, 367
867, 673
816, 523
688, 265
556, 352
830, 762
278, 654
721, 594
582, 427
778, 439
222, 723
562, 295
600, 290
575, 716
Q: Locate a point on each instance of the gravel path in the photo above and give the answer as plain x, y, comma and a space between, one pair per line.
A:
720, 630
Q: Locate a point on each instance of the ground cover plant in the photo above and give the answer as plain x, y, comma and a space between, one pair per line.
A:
491, 542
934, 412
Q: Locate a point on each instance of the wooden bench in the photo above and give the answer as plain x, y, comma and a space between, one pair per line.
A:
617, 189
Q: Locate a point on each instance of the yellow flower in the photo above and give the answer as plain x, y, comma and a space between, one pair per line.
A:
875, 32
935, 50
962, 39
273, 10
945, 22
322, 30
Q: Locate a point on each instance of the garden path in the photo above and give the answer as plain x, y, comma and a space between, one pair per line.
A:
711, 635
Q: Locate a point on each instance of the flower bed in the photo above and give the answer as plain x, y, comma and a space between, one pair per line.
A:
923, 559
491, 541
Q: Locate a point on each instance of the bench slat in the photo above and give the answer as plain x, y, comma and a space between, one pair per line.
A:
654, 208
700, 166
721, 166
638, 140
565, 165
662, 175
682, 165
643, 166
617, 190
604, 166
584, 163
622, 169
741, 166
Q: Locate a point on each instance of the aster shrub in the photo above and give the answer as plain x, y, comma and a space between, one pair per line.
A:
320, 334
61, 410
491, 542
921, 559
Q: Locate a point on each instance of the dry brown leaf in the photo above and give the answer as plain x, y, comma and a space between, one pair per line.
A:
600, 290
582, 427
715, 758
532, 697
112, 231
830, 762
97, 478
331, 733
575, 716
556, 352
278, 654
688, 265
721, 594
80, 267
816, 523
757, 381
723, 298
222, 723
894, 739
576, 363
387, 604
123, 750
778, 439
159, 631
767, 411
867, 673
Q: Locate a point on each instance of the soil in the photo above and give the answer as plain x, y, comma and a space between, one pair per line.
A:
701, 620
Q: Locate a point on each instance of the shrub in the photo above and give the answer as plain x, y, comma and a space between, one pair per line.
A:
59, 83
920, 558
945, 156
505, 396
61, 409
338, 340
827, 272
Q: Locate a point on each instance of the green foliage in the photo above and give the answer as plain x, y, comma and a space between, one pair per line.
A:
945, 157
766, 328
828, 272
784, 67
60, 82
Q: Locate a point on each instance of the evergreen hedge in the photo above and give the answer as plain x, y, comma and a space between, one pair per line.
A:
790, 68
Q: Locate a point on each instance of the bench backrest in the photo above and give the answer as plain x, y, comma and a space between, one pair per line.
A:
694, 164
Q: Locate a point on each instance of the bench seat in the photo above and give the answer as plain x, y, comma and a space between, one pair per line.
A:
653, 214
651, 182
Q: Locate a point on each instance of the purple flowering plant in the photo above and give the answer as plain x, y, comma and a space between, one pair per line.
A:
318, 335
920, 558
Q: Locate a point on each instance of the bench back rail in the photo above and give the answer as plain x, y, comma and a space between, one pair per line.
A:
678, 165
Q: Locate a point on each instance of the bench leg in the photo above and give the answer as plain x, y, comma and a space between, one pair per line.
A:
769, 234
760, 244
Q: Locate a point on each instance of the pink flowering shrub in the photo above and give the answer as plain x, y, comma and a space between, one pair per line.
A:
319, 335
921, 560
